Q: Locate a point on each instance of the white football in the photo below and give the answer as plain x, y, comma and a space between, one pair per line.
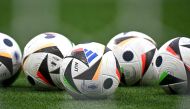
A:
42, 57
10, 60
135, 52
91, 71
173, 65
129, 35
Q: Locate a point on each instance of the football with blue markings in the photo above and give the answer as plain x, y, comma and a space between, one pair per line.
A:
173, 65
91, 71
135, 53
10, 60
42, 57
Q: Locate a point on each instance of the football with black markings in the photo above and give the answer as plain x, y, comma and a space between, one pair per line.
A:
173, 65
90, 72
10, 60
42, 57
135, 52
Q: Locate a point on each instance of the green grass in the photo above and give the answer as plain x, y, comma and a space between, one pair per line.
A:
22, 95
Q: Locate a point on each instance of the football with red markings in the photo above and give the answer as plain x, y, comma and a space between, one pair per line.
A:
173, 65
92, 71
135, 52
10, 60
42, 57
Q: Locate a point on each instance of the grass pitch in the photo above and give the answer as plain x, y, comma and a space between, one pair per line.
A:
22, 95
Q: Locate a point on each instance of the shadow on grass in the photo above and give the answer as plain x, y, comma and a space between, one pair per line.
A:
28, 88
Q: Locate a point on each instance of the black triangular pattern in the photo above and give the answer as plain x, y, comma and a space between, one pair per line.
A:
187, 46
10, 80
119, 40
169, 79
52, 49
8, 63
80, 55
149, 57
174, 45
106, 50
57, 71
45, 72
68, 76
188, 78
89, 73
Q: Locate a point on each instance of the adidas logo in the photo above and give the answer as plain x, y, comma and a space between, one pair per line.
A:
90, 55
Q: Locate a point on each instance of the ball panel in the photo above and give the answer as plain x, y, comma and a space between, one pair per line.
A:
49, 36
177, 88
128, 55
51, 49
68, 79
97, 51
139, 35
32, 63
80, 55
114, 68
30, 80
111, 85
173, 66
43, 72
158, 61
150, 77
147, 60
173, 48
39, 84
8, 42
166, 78
91, 88
36, 66
10, 80
185, 51
130, 72
89, 74
108, 83
6, 59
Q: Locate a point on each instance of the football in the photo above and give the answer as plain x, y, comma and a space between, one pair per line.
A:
10, 60
42, 57
128, 35
90, 72
135, 52
173, 65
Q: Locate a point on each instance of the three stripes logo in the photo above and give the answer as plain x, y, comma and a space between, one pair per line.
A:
90, 55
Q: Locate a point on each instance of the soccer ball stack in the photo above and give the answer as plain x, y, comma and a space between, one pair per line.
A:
92, 70
86, 71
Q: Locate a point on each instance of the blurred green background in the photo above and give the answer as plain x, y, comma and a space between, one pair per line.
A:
94, 20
